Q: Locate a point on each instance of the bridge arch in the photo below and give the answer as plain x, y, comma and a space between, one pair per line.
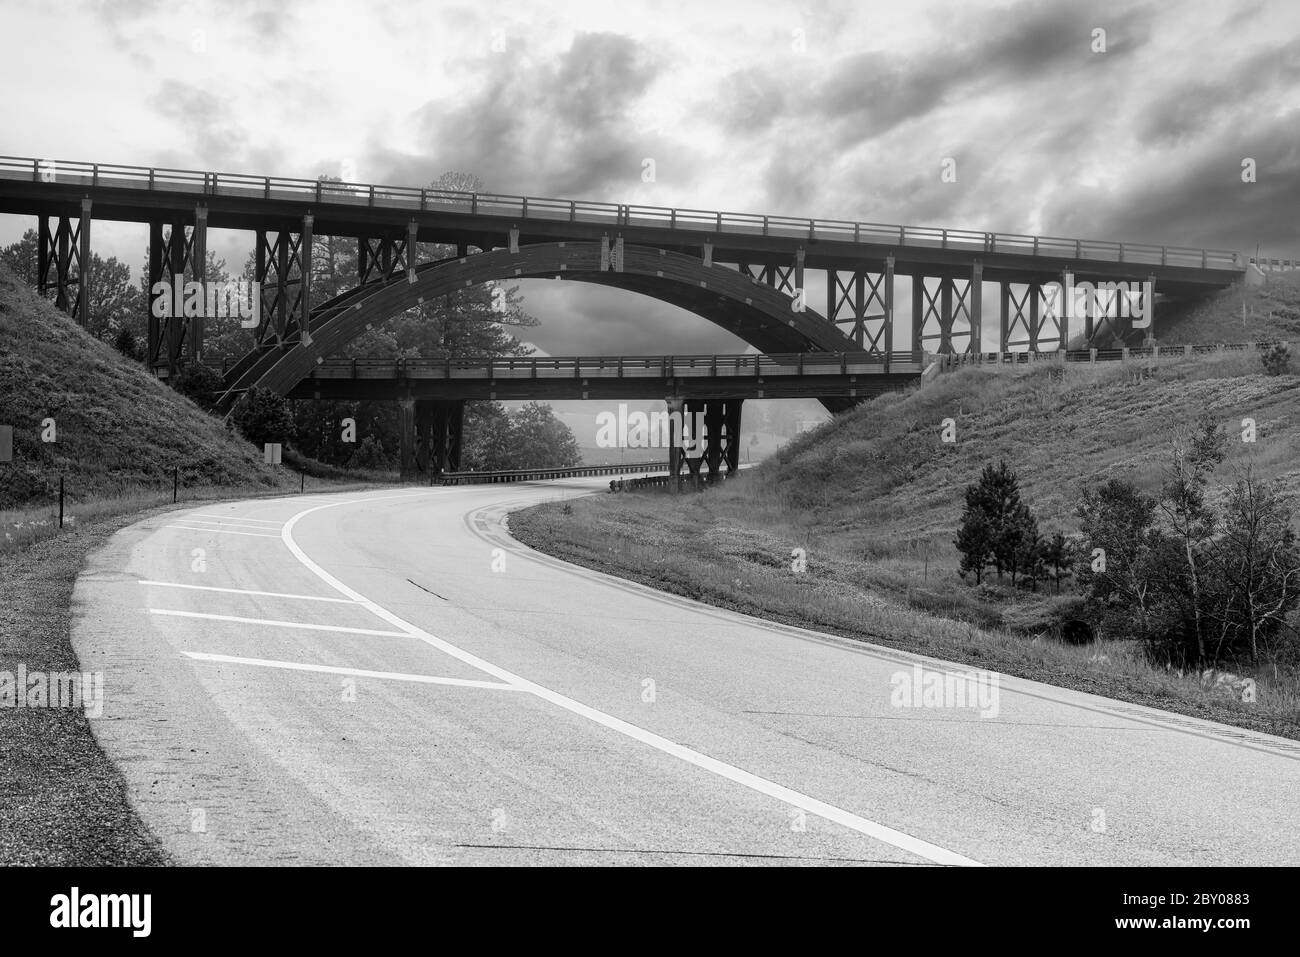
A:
752, 310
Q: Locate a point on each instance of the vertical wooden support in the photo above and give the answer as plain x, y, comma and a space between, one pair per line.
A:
1035, 321
411, 229
83, 268
1004, 325
918, 294
282, 279
1067, 307
1149, 302
154, 345
406, 437
889, 308
946, 318
176, 270
675, 405
976, 297
304, 288
199, 268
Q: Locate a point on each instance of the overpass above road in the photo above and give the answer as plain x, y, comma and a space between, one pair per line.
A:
747, 273
857, 261
837, 379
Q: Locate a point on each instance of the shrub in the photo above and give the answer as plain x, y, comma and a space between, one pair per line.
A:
262, 416
1276, 360
201, 384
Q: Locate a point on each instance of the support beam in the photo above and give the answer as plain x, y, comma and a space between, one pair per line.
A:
83, 268
304, 297
199, 270
889, 307
406, 438
1149, 301
1067, 308
976, 306
675, 405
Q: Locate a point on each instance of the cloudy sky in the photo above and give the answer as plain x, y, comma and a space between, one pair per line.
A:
843, 110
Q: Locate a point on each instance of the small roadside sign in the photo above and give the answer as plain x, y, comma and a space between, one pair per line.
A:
6, 443
272, 453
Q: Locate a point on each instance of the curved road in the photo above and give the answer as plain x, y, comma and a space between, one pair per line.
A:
390, 678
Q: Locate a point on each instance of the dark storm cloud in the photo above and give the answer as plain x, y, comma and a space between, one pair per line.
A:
1200, 199
865, 96
558, 129
1186, 111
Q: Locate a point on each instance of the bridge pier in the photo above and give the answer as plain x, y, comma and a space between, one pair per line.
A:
713, 426
65, 252
169, 258
850, 298
430, 436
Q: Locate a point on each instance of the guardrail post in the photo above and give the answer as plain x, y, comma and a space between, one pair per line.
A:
1204, 259
1121, 252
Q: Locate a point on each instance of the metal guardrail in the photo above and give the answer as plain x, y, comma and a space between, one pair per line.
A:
539, 475
1275, 265
1100, 355
408, 198
611, 367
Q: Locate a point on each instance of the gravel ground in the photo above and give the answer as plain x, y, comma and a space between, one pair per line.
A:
62, 802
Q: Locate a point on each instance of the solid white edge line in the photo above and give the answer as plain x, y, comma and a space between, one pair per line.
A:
221, 531
275, 623
352, 672
246, 591
880, 832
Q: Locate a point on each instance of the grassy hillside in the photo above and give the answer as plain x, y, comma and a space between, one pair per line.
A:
1272, 311
119, 430
874, 498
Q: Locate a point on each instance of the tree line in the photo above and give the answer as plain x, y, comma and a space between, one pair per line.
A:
1197, 578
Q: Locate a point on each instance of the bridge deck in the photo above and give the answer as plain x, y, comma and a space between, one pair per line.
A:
810, 375
239, 201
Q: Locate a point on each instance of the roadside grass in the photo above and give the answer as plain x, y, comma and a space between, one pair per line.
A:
1271, 311
874, 497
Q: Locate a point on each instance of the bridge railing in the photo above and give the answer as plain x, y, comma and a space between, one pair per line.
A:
612, 214
611, 367
1099, 355
539, 475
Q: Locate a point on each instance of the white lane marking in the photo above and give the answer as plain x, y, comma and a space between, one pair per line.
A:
274, 623
222, 531
355, 672
234, 518
214, 523
246, 591
924, 849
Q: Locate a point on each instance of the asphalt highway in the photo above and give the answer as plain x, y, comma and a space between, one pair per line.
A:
389, 678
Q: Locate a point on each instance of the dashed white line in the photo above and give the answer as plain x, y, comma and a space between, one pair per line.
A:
235, 518
352, 672
217, 523
246, 591
222, 531
275, 623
